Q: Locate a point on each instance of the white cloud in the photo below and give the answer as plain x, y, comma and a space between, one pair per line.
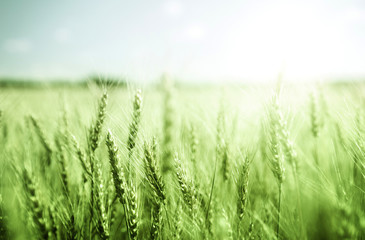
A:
173, 8
19, 45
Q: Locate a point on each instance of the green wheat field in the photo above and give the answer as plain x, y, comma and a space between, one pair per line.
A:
175, 162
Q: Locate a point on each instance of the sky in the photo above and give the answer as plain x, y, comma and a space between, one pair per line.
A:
191, 40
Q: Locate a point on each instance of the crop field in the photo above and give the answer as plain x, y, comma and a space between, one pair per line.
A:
175, 162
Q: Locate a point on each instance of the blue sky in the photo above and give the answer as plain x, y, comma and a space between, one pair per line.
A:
193, 40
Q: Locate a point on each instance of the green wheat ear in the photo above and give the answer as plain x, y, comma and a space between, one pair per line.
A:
36, 209
314, 114
133, 131
153, 174
156, 220
154, 179
242, 193
222, 148
117, 172
96, 127
133, 127
242, 188
186, 186
125, 191
133, 221
168, 122
194, 143
275, 158
82, 159
284, 134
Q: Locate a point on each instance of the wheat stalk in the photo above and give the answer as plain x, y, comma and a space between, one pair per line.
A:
123, 192
289, 153
275, 159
